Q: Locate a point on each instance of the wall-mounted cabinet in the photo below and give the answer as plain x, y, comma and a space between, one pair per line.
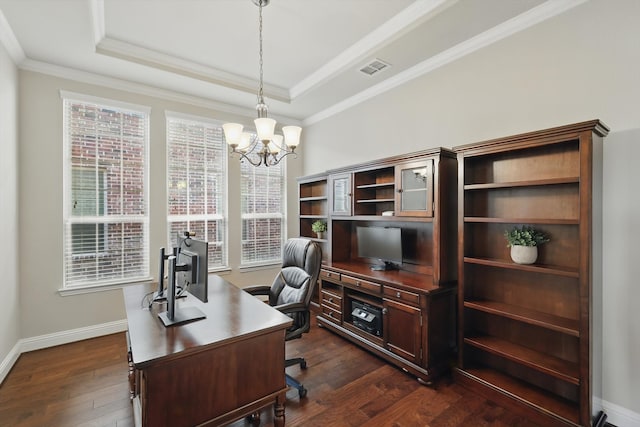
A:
525, 330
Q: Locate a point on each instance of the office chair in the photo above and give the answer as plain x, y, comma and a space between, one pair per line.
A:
291, 293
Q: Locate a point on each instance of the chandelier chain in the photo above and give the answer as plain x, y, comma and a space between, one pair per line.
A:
260, 97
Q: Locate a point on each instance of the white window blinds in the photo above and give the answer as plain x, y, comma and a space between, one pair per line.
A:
197, 185
263, 219
105, 192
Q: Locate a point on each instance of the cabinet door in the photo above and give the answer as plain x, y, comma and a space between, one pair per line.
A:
414, 188
341, 194
402, 330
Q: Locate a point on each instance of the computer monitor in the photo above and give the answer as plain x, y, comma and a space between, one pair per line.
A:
381, 243
192, 266
188, 272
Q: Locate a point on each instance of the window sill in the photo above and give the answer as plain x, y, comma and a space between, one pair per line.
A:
254, 267
88, 289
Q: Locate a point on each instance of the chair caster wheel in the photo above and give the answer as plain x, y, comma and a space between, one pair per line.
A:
302, 393
303, 364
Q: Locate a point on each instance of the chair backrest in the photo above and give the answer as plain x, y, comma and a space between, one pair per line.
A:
301, 260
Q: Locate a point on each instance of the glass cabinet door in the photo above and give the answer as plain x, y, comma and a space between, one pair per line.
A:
341, 194
414, 188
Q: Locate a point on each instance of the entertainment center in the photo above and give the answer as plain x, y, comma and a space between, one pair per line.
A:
528, 335
396, 215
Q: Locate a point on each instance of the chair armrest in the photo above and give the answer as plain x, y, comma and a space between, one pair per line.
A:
293, 307
257, 289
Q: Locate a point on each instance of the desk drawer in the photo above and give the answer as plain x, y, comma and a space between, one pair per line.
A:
331, 300
332, 314
362, 284
400, 295
326, 274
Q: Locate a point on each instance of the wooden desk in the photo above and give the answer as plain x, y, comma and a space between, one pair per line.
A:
211, 371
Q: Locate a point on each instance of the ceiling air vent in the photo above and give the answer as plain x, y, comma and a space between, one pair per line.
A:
374, 67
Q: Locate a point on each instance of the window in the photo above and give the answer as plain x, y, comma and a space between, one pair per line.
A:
197, 185
263, 219
105, 192
88, 196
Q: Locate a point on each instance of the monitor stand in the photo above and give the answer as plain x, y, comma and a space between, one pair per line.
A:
385, 266
182, 315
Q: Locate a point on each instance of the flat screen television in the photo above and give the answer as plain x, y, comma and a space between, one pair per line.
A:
380, 243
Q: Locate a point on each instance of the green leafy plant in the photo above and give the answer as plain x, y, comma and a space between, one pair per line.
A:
319, 226
525, 236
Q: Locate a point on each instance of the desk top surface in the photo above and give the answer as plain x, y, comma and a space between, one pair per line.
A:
232, 315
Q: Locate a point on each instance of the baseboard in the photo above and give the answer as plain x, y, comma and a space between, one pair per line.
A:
9, 361
73, 335
617, 415
50, 340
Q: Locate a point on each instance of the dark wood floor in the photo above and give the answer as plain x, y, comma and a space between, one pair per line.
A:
85, 384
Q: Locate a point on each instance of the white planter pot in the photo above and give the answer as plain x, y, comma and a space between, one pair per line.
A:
524, 254
320, 234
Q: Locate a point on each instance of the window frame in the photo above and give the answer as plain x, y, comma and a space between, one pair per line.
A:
224, 217
71, 287
282, 216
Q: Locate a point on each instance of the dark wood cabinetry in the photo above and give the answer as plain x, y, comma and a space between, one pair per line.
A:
413, 308
525, 330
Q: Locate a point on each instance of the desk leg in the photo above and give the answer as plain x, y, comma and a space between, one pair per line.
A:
278, 410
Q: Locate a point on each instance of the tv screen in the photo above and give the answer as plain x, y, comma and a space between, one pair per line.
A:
381, 243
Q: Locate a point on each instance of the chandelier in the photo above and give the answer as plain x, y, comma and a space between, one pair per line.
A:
266, 148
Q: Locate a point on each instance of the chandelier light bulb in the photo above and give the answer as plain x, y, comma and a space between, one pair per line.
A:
232, 132
265, 128
292, 135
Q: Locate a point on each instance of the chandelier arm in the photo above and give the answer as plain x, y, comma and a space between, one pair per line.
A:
243, 156
279, 159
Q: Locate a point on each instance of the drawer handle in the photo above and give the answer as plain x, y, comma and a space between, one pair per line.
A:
398, 295
330, 299
330, 314
357, 283
328, 274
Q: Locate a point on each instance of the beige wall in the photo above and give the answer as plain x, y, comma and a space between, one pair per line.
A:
43, 310
9, 285
582, 65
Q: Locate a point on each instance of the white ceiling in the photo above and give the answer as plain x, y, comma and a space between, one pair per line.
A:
208, 49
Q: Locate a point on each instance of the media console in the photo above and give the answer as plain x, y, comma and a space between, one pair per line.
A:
398, 315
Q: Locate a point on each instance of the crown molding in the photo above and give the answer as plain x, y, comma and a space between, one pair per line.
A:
10, 42
97, 20
142, 89
516, 24
391, 30
150, 58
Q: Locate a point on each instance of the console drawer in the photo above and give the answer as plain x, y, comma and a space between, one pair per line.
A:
400, 295
331, 300
362, 284
332, 314
326, 274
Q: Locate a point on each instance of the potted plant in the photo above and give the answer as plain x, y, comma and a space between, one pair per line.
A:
524, 242
319, 227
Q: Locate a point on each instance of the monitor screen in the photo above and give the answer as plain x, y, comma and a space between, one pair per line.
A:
381, 243
192, 266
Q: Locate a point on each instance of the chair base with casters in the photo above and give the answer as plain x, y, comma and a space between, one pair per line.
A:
292, 382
